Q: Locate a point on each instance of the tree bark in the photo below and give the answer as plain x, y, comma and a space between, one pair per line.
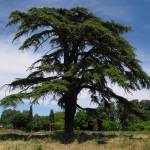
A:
70, 109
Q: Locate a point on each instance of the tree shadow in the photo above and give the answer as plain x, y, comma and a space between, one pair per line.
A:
23, 137
82, 137
61, 137
13, 137
98, 137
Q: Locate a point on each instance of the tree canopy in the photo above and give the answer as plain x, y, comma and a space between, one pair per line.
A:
83, 52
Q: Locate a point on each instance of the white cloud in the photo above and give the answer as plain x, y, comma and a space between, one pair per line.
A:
12, 60
140, 94
13, 63
84, 97
84, 100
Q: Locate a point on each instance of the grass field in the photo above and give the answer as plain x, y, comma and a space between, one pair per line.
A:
18, 140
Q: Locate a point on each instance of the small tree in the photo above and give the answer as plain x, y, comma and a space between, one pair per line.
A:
81, 120
85, 52
40, 123
29, 119
6, 117
51, 119
59, 121
30, 115
19, 120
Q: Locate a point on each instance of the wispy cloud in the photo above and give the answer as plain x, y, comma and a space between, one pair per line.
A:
140, 94
12, 60
13, 63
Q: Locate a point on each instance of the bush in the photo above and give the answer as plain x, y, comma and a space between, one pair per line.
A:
81, 121
140, 126
59, 125
19, 120
110, 125
40, 123
59, 121
7, 116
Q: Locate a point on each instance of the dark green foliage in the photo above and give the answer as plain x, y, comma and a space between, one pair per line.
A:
82, 51
104, 118
24, 120
15, 119
144, 105
81, 121
111, 118
30, 115
40, 123
29, 118
86, 121
135, 114
114, 118
19, 121
107, 112
52, 119
6, 117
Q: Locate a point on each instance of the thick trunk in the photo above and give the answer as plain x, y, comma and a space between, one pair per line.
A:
70, 109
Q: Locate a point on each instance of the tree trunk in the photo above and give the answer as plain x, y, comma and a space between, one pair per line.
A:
70, 109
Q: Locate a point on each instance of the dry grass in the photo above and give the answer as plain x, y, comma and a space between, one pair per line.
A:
81, 141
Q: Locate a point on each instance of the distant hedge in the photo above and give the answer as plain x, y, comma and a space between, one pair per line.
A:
140, 126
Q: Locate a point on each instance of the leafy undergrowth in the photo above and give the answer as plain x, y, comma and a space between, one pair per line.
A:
18, 140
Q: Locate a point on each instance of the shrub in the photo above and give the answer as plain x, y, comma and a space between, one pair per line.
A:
139, 126
40, 123
110, 125
59, 121
81, 121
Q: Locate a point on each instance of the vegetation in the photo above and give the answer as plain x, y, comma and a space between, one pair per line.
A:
82, 52
51, 120
13, 140
113, 118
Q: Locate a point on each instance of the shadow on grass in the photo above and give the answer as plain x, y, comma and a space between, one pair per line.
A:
98, 137
60, 137
13, 137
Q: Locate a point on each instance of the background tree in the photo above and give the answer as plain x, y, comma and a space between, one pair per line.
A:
29, 118
52, 119
145, 106
82, 51
7, 116
81, 120
40, 123
59, 121
19, 120
107, 112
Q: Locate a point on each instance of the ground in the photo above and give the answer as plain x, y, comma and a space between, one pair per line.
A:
18, 140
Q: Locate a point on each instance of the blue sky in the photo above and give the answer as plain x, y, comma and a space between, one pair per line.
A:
13, 63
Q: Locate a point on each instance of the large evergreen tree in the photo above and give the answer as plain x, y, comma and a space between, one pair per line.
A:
82, 52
